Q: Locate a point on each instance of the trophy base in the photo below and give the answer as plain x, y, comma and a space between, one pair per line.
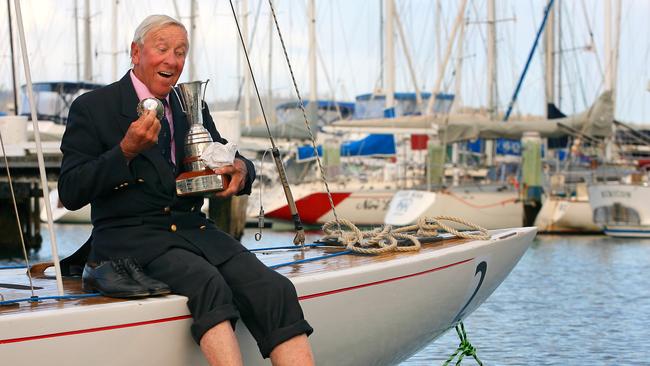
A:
200, 183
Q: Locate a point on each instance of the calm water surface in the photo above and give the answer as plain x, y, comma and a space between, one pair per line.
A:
571, 300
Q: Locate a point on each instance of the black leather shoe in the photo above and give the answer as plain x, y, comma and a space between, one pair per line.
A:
154, 286
111, 279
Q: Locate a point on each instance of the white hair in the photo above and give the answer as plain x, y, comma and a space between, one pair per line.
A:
151, 23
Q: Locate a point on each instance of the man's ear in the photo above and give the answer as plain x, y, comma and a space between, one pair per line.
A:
135, 53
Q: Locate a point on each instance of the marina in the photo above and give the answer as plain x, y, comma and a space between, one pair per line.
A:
422, 182
588, 295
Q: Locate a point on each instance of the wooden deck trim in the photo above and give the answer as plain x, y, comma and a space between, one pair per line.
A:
72, 286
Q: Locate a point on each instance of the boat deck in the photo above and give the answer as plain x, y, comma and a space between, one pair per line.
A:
14, 283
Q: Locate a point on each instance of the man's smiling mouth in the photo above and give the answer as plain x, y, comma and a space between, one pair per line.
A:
165, 74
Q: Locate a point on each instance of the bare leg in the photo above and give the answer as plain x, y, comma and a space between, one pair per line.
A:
295, 351
220, 346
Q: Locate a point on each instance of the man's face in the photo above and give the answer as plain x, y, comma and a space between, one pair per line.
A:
158, 63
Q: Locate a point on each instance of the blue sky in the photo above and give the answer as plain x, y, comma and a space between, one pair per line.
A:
348, 38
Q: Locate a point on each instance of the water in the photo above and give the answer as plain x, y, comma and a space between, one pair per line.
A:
571, 300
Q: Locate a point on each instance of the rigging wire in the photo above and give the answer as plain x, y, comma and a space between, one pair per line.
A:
304, 114
39, 148
250, 41
300, 231
18, 222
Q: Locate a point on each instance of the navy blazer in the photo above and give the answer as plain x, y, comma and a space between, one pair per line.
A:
133, 204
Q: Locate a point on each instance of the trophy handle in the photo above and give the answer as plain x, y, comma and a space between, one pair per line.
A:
180, 100
205, 87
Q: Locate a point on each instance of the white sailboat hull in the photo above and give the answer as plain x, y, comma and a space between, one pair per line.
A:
622, 209
491, 210
560, 214
357, 203
373, 314
61, 214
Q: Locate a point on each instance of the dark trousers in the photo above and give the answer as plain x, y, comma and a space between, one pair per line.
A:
241, 286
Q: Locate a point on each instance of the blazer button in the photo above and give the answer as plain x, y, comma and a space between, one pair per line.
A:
126, 184
173, 228
167, 209
202, 227
140, 180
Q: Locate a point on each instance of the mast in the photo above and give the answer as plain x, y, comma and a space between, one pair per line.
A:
88, 53
192, 38
14, 76
270, 65
247, 75
608, 45
390, 58
560, 59
491, 75
443, 65
513, 99
114, 41
549, 57
409, 61
615, 53
438, 10
491, 59
458, 77
39, 149
312, 52
76, 39
382, 82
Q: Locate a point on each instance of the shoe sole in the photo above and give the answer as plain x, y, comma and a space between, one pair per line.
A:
159, 292
90, 288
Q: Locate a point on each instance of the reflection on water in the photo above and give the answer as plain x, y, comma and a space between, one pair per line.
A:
571, 300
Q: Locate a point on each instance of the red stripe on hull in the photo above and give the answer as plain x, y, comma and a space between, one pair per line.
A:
183, 317
93, 330
344, 289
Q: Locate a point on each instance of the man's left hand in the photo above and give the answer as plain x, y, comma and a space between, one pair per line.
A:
238, 173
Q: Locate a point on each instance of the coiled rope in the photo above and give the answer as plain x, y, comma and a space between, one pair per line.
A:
385, 239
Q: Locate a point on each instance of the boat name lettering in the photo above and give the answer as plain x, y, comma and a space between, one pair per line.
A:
613, 194
373, 204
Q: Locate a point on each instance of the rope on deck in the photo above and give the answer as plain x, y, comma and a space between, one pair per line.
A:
384, 239
42, 298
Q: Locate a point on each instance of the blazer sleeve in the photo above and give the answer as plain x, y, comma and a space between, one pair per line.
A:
91, 165
208, 123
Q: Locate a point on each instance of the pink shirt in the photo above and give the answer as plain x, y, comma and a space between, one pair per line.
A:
143, 93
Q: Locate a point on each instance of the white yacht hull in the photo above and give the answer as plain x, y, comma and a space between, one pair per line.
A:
559, 214
489, 209
622, 209
363, 205
377, 313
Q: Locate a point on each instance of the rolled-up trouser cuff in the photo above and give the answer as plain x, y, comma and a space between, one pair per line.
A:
283, 334
213, 317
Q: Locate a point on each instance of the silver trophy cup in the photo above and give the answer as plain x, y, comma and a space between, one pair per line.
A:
198, 178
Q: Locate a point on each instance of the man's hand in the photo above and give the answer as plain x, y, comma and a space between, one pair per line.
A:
237, 172
141, 135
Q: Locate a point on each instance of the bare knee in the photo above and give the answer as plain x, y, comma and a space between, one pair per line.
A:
294, 351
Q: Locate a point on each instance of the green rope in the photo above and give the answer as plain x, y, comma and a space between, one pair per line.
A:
464, 348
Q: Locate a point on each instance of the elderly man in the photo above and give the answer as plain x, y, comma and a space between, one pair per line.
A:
116, 161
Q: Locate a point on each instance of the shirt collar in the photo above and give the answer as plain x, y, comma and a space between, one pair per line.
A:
141, 90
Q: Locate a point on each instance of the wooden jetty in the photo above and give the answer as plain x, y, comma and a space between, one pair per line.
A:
27, 187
